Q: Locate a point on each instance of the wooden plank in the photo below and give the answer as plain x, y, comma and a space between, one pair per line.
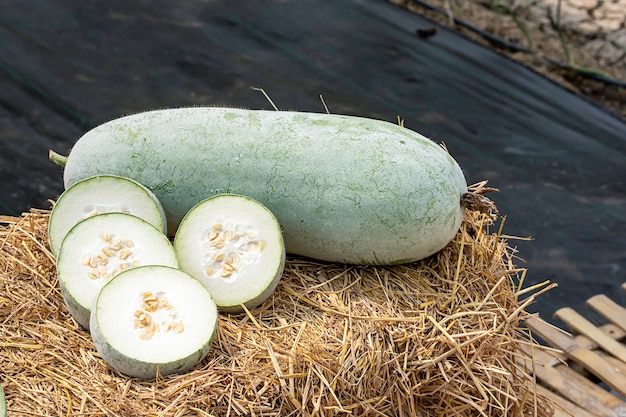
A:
581, 325
601, 368
566, 381
609, 328
585, 357
569, 383
609, 309
614, 362
579, 390
563, 407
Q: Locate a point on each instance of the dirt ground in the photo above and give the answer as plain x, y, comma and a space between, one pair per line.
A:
580, 44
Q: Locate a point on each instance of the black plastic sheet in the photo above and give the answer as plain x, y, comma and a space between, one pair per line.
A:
558, 159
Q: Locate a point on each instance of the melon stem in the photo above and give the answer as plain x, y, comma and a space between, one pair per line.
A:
476, 201
58, 159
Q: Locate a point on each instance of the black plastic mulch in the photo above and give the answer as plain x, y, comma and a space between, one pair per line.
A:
558, 159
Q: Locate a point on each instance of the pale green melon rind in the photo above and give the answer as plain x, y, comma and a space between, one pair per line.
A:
186, 242
135, 367
3, 403
102, 191
67, 262
344, 188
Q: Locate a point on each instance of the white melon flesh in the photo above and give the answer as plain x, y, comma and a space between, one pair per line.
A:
102, 194
100, 247
153, 320
234, 246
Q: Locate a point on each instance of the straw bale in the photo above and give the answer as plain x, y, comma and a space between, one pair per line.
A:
440, 337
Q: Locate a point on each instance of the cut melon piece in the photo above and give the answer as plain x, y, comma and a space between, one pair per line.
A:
233, 245
3, 403
102, 194
153, 320
100, 247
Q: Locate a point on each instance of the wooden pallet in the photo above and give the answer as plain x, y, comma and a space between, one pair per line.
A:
585, 375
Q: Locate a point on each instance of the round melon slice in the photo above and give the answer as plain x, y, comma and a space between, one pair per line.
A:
100, 247
153, 320
234, 246
102, 194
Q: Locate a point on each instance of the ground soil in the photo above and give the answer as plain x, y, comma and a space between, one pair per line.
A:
580, 44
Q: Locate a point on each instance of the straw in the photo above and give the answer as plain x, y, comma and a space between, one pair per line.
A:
439, 337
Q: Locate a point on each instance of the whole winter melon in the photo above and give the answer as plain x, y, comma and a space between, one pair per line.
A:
344, 188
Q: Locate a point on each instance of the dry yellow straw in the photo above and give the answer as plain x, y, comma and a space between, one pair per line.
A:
440, 337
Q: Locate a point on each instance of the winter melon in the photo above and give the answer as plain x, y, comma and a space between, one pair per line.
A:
346, 189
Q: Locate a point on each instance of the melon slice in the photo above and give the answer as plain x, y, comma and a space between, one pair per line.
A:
102, 194
153, 320
3, 403
234, 246
100, 247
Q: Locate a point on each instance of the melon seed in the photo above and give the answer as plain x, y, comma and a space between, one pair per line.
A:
151, 303
227, 248
115, 248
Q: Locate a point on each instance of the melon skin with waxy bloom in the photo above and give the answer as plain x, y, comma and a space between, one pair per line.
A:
343, 188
